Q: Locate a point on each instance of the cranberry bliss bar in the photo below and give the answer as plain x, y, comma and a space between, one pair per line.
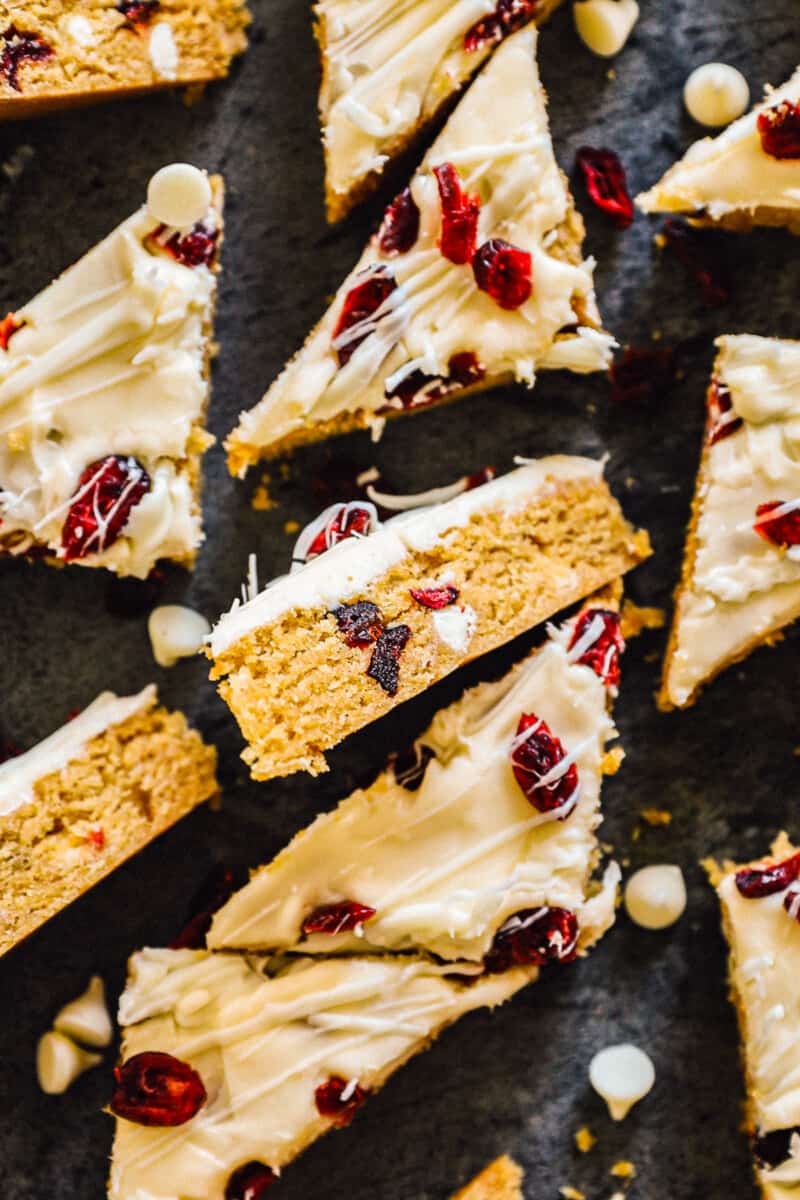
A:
760, 910
60, 53
104, 384
748, 175
388, 66
85, 799
741, 573
491, 815
373, 621
475, 277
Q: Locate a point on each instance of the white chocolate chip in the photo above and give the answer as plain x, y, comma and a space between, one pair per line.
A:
605, 25
716, 94
59, 1062
455, 626
655, 897
622, 1075
163, 51
179, 195
80, 30
86, 1018
176, 632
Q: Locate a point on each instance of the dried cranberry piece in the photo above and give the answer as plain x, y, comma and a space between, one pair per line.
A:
435, 597
418, 388
459, 216
642, 374
783, 529
779, 130
606, 184
197, 248
755, 882
339, 1100
361, 623
478, 478
97, 838
351, 520
602, 653
108, 491
773, 1148
506, 18
341, 917
8, 327
533, 937
503, 271
363, 300
156, 1089
250, 1181
702, 258
216, 890
722, 420
137, 12
20, 47
535, 757
384, 664
400, 227
791, 901
409, 767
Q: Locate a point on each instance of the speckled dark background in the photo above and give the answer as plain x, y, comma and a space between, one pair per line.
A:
515, 1081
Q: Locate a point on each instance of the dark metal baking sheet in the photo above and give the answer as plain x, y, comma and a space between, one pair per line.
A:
515, 1081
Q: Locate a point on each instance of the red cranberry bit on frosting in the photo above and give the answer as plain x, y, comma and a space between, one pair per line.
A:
215, 892
506, 18
779, 522
342, 917
250, 1181
597, 642
755, 882
722, 419
400, 227
157, 1089
384, 665
197, 248
339, 1100
349, 520
8, 327
361, 623
533, 937
503, 271
779, 130
418, 388
459, 216
361, 310
108, 491
606, 184
20, 47
702, 258
435, 597
541, 767
791, 901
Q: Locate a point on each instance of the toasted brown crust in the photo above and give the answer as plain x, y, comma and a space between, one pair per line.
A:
501, 1180
338, 204
243, 454
208, 35
297, 689
130, 784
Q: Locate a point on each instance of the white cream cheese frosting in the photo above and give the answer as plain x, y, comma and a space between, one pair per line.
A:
764, 941
263, 1045
109, 360
731, 172
742, 587
498, 141
19, 775
444, 866
349, 567
388, 67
